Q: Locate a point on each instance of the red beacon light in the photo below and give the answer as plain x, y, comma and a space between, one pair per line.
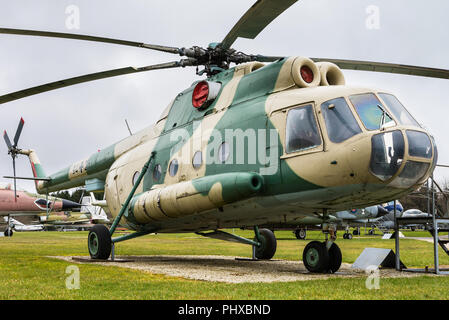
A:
306, 74
205, 93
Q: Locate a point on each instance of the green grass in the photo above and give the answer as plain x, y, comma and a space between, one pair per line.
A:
26, 272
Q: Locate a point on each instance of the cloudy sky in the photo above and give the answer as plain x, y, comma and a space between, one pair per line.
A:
70, 124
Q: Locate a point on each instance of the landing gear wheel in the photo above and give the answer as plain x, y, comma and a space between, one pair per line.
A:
347, 236
99, 242
316, 257
301, 234
356, 232
8, 232
335, 258
268, 248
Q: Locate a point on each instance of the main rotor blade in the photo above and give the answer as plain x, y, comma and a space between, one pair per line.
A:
89, 38
388, 68
18, 132
90, 77
262, 58
260, 15
8, 142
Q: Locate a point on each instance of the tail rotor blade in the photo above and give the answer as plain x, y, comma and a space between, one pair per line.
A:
18, 132
8, 142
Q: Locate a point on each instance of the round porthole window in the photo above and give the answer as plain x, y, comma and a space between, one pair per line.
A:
173, 168
197, 159
223, 152
157, 172
135, 177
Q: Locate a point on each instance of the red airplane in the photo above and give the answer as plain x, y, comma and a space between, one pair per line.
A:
26, 203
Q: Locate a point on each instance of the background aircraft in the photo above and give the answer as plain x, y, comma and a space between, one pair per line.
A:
26, 203
342, 219
85, 219
16, 225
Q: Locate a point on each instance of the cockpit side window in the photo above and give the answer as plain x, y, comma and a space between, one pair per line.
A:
371, 111
302, 130
398, 110
340, 122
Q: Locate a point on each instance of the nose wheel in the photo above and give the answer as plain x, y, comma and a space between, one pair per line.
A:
323, 257
317, 258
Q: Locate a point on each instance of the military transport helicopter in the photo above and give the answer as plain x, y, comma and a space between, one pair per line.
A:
313, 146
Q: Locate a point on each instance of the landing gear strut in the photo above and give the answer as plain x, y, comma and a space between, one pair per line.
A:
321, 257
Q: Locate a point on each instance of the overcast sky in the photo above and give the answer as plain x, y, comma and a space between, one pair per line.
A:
70, 124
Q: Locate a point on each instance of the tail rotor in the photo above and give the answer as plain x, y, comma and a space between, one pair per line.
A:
13, 150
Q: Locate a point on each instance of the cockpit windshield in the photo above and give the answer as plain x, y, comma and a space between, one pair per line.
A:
340, 122
371, 112
398, 110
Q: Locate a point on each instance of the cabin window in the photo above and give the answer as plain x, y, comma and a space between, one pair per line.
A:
302, 130
173, 168
398, 110
340, 122
197, 159
371, 112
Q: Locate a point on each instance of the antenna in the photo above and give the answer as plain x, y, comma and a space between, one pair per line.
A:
127, 125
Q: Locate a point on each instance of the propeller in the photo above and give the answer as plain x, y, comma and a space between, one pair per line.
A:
13, 150
215, 58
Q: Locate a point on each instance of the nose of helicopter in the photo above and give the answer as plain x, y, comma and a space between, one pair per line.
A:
402, 158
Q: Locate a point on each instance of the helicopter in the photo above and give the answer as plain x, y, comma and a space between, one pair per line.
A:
261, 139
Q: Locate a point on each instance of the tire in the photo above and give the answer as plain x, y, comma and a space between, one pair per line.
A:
355, 232
8, 232
345, 236
316, 257
335, 258
99, 242
301, 234
268, 248
349, 237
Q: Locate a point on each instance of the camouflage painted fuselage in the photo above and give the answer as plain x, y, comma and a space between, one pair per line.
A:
258, 183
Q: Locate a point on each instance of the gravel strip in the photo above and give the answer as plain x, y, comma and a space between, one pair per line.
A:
228, 269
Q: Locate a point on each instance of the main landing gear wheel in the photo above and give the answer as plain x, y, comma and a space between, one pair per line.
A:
268, 245
99, 242
347, 236
8, 232
301, 234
